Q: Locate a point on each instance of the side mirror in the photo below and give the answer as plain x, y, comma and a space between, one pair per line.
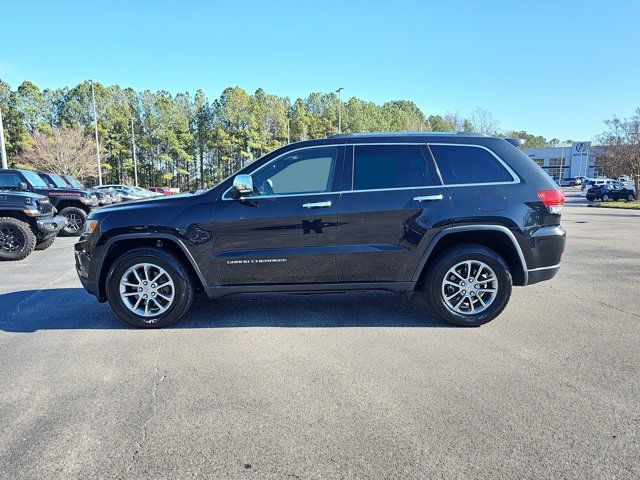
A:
23, 187
242, 185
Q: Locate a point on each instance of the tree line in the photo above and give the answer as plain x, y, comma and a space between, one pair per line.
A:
191, 141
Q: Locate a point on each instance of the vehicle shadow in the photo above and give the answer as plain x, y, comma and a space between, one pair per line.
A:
73, 308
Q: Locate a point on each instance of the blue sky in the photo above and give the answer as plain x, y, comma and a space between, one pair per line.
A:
556, 68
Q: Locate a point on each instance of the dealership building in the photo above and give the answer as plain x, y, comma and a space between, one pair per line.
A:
577, 159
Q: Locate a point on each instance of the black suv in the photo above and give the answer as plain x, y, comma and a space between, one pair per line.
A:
611, 191
456, 218
74, 204
27, 221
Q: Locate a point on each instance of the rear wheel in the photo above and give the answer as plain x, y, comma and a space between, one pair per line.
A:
76, 218
150, 288
16, 239
46, 243
468, 285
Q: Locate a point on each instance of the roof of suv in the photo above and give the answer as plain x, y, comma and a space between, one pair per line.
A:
407, 134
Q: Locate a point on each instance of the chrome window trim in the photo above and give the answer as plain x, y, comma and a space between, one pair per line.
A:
442, 185
337, 145
514, 175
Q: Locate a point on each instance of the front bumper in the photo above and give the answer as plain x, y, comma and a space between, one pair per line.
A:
50, 226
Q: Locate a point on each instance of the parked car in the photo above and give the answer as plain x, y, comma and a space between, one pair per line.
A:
72, 203
594, 182
350, 212
126, 193
611, 191
27, 222
104, 198
161, 190
571, 182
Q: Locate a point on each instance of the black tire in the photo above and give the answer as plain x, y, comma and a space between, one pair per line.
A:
183, 287
46, 243
631, 197
76, 218
605, 198
572, 184
432, 288
16, 239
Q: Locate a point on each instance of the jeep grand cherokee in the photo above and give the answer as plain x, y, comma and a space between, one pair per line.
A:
455, 218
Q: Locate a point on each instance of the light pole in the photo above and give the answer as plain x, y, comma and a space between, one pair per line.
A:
95, 122
3, 150
133, 148
339, 110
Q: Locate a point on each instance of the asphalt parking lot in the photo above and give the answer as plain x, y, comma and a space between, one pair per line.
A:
358, 385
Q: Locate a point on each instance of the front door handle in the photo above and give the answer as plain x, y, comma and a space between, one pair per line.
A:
317, 205
428, 198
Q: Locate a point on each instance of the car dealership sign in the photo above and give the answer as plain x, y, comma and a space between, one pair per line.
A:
580, 149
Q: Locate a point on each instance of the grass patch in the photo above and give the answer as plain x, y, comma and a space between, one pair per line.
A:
623, 205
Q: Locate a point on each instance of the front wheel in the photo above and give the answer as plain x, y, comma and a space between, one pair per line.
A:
605, 198
76, 218
16, 239
631, 197
468, 285
149, 288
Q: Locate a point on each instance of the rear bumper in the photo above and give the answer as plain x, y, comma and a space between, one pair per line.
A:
547, 246
541, 274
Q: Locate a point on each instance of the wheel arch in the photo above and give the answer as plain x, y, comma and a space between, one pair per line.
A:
116, 246
495, 237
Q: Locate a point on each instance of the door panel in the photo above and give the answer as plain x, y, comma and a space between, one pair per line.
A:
276, 240
395, 206
384, 233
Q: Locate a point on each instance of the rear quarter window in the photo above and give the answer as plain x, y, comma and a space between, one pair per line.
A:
464, 164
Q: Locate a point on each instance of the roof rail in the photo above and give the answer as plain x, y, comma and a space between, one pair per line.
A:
405, 133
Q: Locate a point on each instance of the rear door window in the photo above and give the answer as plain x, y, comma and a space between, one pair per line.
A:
378, 167
467, 164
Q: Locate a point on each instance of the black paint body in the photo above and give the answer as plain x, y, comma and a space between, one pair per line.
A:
376, 239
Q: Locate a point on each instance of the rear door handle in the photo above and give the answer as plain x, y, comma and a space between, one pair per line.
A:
428, 198
317, 205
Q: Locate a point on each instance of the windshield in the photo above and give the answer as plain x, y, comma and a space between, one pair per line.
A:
58, 181
72, 181
34, 179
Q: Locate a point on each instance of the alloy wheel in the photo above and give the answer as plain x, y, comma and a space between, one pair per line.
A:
469, 287
10, 239
147, 289
74, 222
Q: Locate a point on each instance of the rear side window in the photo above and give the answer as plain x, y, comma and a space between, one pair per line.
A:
460, 164
389, 166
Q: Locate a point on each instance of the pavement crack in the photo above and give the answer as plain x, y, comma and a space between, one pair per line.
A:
158, 376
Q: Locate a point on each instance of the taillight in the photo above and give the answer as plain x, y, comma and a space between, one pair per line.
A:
552, 199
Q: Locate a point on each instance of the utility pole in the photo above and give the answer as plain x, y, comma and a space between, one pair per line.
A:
135, 162
95, 122
3, 150
339, 110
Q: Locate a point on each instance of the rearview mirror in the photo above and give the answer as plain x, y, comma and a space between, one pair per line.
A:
242, 185
23, 187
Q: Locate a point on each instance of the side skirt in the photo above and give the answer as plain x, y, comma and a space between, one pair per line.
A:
218, 291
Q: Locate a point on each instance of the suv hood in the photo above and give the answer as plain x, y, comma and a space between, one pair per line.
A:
151, 202
60, 192
12, 194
